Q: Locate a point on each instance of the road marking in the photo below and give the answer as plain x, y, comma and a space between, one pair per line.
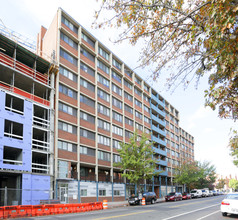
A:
190, 212
208, 215
186, 204
117, 216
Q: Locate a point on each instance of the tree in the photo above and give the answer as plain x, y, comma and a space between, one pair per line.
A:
221, 183
137, 161
207, 175
234, 146
233, 183
199, 36
187, 173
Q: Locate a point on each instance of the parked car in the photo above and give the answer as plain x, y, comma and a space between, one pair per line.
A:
210, 193
229, 204
214, 192
173, 196
196, 193
150, 197
186, 195
205, 193
137, 199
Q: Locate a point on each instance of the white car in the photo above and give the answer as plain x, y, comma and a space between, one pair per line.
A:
229, 204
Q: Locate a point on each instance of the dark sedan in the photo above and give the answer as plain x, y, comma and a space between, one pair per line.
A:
173, 196
186, 196
134, 200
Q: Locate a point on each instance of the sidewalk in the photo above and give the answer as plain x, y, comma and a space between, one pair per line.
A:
112, 205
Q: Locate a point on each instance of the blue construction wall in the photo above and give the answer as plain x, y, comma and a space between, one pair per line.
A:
35, 188
25, 144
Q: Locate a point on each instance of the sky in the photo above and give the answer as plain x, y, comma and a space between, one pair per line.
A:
211, 133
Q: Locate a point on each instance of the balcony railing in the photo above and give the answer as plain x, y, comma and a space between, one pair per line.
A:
12, 162
40, 168
104, 178
41, 122
91, 177
118, 180
40, 145
9, 61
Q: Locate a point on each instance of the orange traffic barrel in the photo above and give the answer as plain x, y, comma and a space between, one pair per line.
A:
143, 201
104, 204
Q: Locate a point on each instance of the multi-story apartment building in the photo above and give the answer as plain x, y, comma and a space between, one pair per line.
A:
99, 102
26, 116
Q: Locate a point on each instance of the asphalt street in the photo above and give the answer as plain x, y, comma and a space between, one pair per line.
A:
195, 209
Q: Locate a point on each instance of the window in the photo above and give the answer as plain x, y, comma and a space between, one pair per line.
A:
146, 119
116, 159
128, 121
173, 153
103, 67
103, 81
83, 192
102, 192
104, 156
116, 89
116, 130
13, 129
87, 54
87, 101
67, 127
166, 123
139, 127
128, 109
146, 98
63, 169
87, 151
137, 80
116, 76
87, 85
87, 69
14, 104
69, 25
171, 127
68, 74
128, 96
117, 116
67, 146
146, 88
146, 109
171, 118
68, 57
67, 109
116, 144
67, 91
103, 110
103, 95
88, 40
138, 92
87, 117
116, 64
128, 73
116, 193
176, 121
147, 131
138, 103
138, 114
104, 140
87, 134
103, 125
117, 103
68, 40
127, 84
103, 53
128, 134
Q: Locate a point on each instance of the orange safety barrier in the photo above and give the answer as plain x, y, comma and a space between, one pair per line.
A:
77, 207
104, 204
38, 210
1, 212
99, 205
10, 212
84, 207
49, 209
24, 210
143, 201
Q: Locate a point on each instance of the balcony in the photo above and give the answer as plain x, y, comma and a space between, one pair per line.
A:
158, 140
156, 109
104, 178
158, 120
90, 177
162, 162
158, 130
158, 101
164, 173
118, 180
160, 152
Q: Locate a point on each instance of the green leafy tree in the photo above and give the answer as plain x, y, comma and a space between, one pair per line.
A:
188, 174
234, 146
137, 161
233, 183
221, 183
207, 175
198, 36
